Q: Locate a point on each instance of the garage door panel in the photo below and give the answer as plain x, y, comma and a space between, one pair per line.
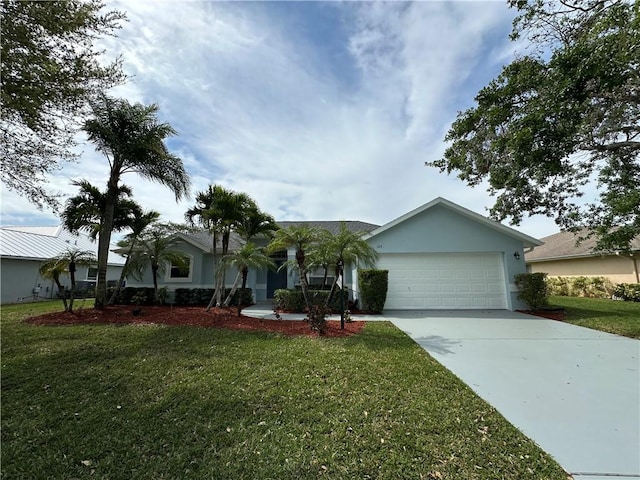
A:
446, 281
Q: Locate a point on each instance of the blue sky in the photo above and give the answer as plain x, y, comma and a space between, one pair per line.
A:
318, 110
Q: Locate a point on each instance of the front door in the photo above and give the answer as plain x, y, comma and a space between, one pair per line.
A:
276, 279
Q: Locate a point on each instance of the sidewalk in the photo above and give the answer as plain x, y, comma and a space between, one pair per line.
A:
264, 310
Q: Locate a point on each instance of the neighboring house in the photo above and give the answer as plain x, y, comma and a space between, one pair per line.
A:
22, 251
439, 256
561, 257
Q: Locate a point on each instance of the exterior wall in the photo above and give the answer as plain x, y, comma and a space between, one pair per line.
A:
19, 277
201, 273
350, 275
617, 268
442, 230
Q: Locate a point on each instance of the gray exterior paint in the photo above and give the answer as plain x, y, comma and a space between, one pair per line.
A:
439, 226
444, 227
22, 251
20, 276
199, 247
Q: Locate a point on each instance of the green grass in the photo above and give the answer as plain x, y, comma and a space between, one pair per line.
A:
158, 402
613, 316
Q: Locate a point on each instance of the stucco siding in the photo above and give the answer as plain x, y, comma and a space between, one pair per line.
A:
439, 229
618, 269
19, 277
442, 230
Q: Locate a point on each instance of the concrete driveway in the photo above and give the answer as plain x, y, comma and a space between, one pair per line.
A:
574, 391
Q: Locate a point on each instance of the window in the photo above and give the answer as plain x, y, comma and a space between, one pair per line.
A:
316, 277
92, 273
176, 274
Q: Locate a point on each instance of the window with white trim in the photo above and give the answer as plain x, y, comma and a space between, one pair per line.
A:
92, 273
175, 273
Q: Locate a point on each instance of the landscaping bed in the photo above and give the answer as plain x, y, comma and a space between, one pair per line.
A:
192, 316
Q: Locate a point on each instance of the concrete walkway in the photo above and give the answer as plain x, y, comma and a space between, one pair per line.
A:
574, 391
265, 311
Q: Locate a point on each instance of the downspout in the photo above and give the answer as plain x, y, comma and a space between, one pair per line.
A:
635, 267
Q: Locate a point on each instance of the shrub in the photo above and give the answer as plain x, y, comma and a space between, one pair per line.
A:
162, 295
293, 300
289, 300
594, 287
629, 292
243, 294
373, 289
532, 289
558, 286
133, 295
182, 296
202, 296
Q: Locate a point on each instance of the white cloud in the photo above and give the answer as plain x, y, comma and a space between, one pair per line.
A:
259, 109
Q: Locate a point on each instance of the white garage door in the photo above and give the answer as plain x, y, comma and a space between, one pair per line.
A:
446, 281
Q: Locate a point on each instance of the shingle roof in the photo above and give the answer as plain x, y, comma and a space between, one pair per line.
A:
203, 239
41, 243
333, 226
563, 245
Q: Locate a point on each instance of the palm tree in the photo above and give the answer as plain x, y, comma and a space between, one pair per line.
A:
156, 249
220, 211
67, 261
133, 141
249, 256
53, 269
322, 255
140, 221
348, 247
301, 238
85, 211
255, 222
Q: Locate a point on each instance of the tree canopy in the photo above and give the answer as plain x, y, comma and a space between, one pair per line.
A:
50, 70
222, 211
560, 119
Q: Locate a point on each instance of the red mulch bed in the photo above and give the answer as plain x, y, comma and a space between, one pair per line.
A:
192, 316
550, 314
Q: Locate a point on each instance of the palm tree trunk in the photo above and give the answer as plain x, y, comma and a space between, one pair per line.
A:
245, 274
154, 273
116, 290
216, 298
72, 274
215, 272
334, 285
64, 295
122, 274
103, 242
304, 283
227, 302
220, 279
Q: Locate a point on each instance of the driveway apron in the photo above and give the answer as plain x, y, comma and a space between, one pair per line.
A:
574, 391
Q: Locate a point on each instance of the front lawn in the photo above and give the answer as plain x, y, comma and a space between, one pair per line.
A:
613, 316
160, 402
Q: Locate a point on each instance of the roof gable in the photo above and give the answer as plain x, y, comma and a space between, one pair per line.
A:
526, 240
